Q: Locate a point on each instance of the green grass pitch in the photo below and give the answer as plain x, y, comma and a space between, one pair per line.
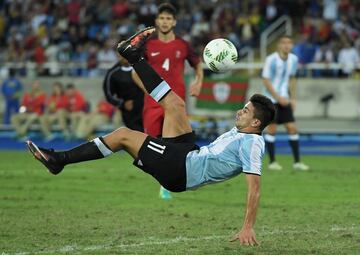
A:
110, 207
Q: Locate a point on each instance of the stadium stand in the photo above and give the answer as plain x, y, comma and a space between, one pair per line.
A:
73, 42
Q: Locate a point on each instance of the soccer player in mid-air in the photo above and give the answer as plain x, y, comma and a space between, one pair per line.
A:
180, 166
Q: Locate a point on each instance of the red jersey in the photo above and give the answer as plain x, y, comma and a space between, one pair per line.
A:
77, 102
105, 108
168, 60
34, 103
57, 102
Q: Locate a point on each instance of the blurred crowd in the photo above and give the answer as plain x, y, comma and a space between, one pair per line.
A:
84, 33
65, 108
330, 32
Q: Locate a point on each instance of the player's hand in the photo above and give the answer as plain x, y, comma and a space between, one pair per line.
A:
195, 89
246, 236
129, 105
283, 101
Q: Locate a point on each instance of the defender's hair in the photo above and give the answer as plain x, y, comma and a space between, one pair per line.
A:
264, 110
168, 8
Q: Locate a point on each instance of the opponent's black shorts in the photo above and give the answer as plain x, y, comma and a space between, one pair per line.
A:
164, 159
284, 114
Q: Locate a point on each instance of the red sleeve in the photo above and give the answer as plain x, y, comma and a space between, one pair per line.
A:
192, 57
25, 100
105, 108
42, 99
39, 103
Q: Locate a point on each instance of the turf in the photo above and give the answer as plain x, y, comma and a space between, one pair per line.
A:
110, 207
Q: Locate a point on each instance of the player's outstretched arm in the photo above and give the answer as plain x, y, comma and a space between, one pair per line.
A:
246, 235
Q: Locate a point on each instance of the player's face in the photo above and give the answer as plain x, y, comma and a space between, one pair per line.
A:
165, 22
245, 117
285, 45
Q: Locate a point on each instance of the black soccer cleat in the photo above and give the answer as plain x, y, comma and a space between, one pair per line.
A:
131, 49
47, 157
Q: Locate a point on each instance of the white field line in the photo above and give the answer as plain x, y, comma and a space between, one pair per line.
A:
74, 248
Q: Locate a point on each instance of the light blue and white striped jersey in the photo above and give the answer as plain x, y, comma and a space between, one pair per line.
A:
229, 155
278, 71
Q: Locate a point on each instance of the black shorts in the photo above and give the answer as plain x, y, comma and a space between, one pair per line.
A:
164, 159
284, 114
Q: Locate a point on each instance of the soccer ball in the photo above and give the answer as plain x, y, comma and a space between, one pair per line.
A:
220, 55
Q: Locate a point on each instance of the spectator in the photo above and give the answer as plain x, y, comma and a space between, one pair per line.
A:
305, 51
147, 13
330, 9
271, 12
107, 55
120, 9
307, 28
348, 59
39, 57
92, 60
88, 123
200, 27
51, 54
77, 107
80, 59
11, 89
32, 107
325, 55
104, 13
73, 9
55, 112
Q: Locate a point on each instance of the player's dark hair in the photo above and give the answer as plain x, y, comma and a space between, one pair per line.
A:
168, 8
264, 110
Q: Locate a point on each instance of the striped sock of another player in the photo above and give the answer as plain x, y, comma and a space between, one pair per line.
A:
294, 144
270, 146
154, 84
